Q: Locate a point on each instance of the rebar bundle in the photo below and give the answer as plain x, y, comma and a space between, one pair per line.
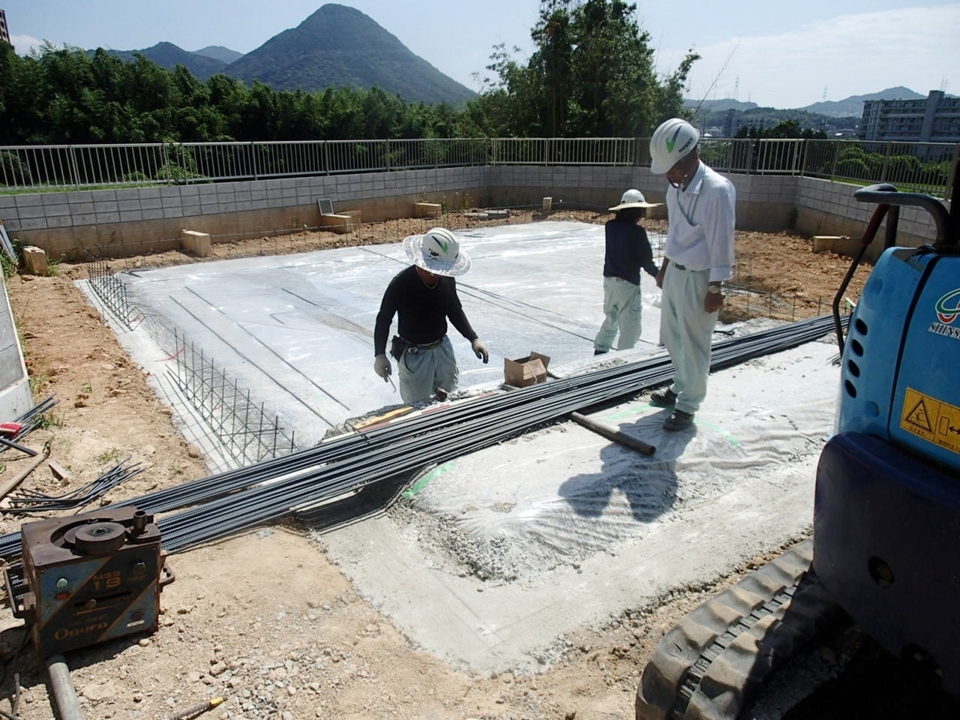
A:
30, 501
223, 504
30, 420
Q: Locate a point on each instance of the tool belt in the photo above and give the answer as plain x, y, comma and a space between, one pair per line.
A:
399, 346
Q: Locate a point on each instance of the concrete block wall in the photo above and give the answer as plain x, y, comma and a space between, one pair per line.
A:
829, 208
764, 203
576, 185
107, 223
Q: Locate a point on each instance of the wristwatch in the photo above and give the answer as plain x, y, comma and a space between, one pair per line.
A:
714, 288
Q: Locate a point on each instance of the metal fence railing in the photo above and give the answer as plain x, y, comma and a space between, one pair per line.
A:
917, 167
921, 167
772, 156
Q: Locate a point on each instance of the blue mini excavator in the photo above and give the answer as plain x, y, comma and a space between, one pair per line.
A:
887, 509
886, 543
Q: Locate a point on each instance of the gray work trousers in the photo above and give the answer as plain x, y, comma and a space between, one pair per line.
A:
428, 369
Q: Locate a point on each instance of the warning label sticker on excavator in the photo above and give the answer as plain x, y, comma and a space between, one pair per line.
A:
931, 419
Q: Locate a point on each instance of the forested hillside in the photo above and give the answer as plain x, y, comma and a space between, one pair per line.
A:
167, 55
591, 75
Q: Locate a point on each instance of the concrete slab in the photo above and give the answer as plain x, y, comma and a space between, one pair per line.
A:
496, 555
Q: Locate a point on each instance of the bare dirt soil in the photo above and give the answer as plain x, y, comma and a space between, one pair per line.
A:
264, 620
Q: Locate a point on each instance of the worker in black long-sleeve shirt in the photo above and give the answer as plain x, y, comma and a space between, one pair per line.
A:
423, 297
628, 252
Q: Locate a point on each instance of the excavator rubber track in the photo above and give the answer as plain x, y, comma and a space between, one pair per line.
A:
711, 665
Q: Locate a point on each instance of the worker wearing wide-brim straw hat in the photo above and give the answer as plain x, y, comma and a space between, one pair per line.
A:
627, 252
423, 297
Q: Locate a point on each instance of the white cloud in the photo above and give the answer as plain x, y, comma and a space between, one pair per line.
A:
24, 44
847, 55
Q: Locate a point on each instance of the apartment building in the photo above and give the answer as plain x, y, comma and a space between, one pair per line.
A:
4, 31
934, 119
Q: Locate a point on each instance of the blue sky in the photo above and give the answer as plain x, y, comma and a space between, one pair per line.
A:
765, 51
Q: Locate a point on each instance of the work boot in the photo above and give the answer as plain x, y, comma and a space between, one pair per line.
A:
597, 351
678, 420
663, 398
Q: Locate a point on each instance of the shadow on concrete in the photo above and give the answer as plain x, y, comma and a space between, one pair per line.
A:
648, 484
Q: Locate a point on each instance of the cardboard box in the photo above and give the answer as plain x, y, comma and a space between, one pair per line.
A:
526, 371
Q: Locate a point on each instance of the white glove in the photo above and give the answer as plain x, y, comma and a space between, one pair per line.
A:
381, 366
481, 350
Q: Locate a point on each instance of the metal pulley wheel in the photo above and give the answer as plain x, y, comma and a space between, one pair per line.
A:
97, 538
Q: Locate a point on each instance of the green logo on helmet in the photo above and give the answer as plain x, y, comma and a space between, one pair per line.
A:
672, 141
443, 245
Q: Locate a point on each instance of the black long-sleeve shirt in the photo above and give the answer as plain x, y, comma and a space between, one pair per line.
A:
422, 312
627, 251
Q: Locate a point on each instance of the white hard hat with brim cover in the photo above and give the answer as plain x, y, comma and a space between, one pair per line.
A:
437, 251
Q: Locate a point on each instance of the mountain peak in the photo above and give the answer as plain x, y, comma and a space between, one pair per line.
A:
340, 46
167, 55
853, 105
218, 52
332, 11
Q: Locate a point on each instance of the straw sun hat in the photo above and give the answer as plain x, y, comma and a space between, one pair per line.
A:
633, 199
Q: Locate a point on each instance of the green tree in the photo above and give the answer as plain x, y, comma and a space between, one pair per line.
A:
230, 97
591, 75
669, 94
551, 66
23, 94
196, 119
785, 129
615, 90
505, 106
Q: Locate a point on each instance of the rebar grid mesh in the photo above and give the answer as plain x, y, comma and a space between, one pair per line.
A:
112, 292
242, 426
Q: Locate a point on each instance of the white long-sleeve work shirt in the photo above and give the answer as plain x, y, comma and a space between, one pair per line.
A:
702, 221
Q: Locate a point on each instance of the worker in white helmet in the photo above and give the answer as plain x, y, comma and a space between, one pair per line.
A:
699, 256
424, 296
627, 251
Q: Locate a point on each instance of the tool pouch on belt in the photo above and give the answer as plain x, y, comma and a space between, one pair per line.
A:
397, 346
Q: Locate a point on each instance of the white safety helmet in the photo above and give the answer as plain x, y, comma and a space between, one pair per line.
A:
437, 250
633, 199
671, 141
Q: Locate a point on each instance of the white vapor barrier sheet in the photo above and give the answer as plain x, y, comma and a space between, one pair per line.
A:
297, 330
